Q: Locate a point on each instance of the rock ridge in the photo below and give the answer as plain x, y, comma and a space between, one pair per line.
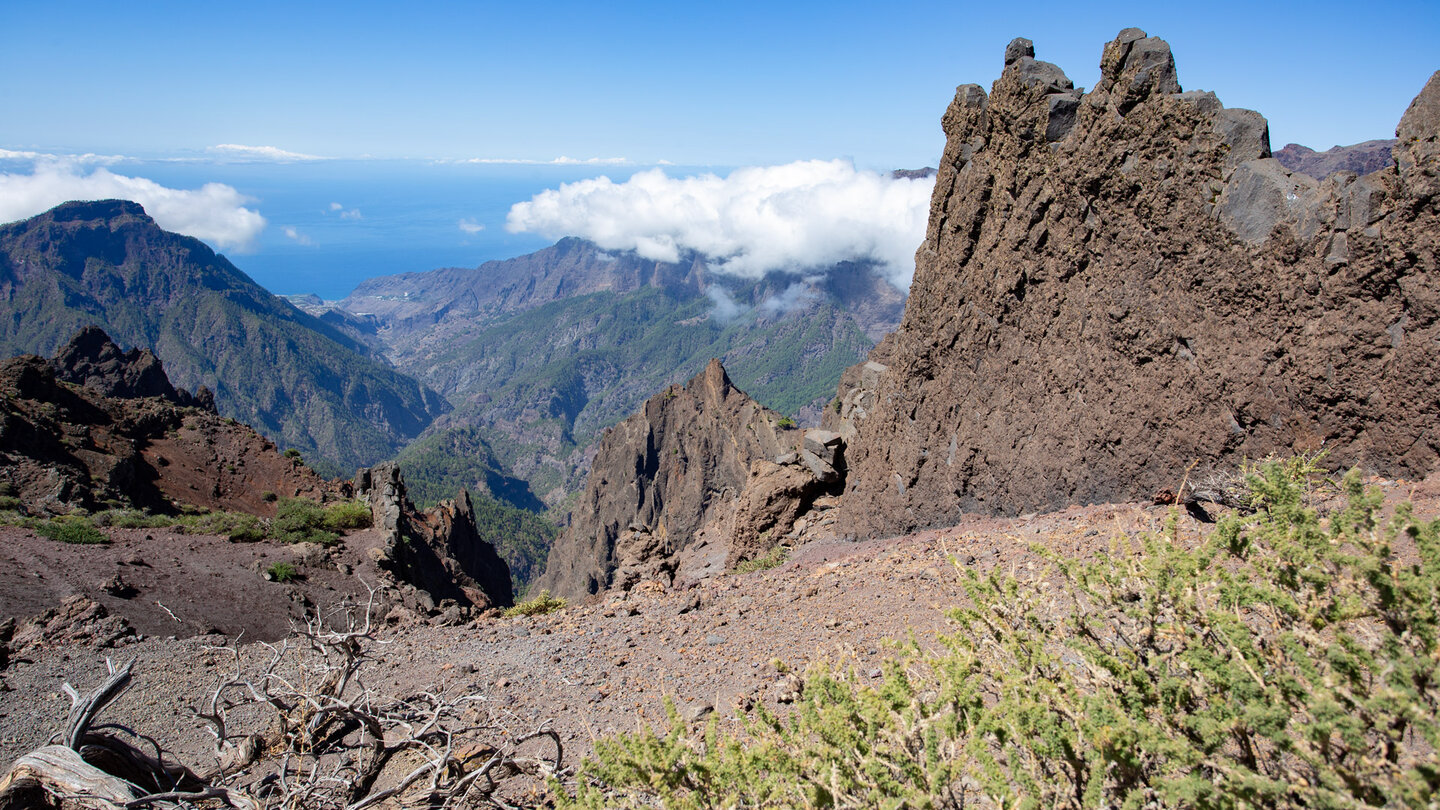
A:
1120, 284
438, 551
700, 479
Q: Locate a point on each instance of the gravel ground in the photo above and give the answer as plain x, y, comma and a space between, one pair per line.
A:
607, 665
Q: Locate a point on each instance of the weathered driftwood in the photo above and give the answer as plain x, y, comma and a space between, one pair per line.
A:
337, 744
90, 769
56, 776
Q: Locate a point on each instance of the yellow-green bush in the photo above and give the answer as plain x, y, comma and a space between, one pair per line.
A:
1290, 659
542, 604
345, 515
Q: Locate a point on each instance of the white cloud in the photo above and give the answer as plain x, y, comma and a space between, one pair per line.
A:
291, 232
240, 152
725, 309
559, 161
791, 298
809, 214
470, 226
214, 212
87, 158
335, 207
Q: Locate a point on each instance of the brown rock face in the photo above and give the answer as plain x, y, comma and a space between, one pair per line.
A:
661, 477
440, 550
95, 424
1103, 300
91, 359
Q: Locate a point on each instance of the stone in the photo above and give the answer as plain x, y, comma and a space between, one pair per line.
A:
1339, 253
1203, 100
771, 503
1262, 194
1246, 133
1043, 76
1019, 48
824, 444
680, 466
1133, 68
439, 551
1061, 119
1417, 150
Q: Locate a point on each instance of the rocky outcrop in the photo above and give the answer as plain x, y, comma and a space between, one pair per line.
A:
1102, 302
91, 359
95, 425
438, 551
1360, 158
701, 477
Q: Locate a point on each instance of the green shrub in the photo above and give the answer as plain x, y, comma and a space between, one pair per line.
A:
282, 572
345, 515
1288, 659
540, 605
786, 422
267, 496
10, 503
292, 453
238, 527
775, 556
298, 520
130, 519
72, 529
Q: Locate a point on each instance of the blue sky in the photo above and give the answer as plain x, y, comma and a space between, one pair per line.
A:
721, 84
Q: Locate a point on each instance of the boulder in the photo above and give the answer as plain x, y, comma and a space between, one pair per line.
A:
1262, 194
1019, 48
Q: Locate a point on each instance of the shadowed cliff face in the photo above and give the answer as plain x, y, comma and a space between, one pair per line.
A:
658, 479
1119, 284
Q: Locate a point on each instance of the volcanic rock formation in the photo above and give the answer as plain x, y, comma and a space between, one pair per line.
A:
1119, 284
702, 477
97, 425
440, 550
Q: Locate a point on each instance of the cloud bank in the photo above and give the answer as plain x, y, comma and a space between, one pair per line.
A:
559, 161
808, 214
260, 153
214, 212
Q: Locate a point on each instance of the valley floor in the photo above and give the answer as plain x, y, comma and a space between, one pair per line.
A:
607, 665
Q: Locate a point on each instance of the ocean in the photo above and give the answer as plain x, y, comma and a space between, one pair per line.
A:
334, 223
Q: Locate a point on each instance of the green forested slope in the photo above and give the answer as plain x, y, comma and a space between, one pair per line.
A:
289, 375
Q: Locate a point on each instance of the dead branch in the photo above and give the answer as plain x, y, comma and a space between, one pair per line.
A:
339, 743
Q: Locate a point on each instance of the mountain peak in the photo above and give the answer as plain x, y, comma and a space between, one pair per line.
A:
97, 210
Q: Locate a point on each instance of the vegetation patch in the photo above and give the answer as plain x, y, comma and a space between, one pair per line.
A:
770, 559
538, 606
74, 529
1289, 659
347, 515
298, 520
282, 572
130, 519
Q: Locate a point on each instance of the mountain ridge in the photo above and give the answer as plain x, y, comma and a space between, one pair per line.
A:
301, 381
